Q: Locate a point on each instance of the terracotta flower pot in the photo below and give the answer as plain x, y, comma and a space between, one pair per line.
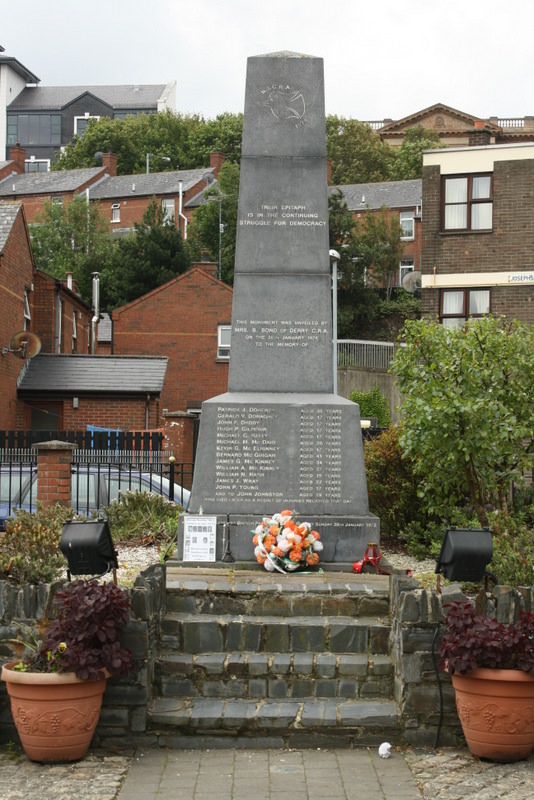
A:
55, 714
496, 709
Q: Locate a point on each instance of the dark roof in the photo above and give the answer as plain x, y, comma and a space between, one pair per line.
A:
68, 180
393, 194
155, 183
135, 96
20, 69
200, 199
8, 214
87, 374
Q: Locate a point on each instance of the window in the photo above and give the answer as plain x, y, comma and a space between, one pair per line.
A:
459, 304
74, 333
34, 129
12, 130
27, 312
60, 310
116, 212
45, 416
81, 123
407, 224
224, 333
406, 266
168, 209
37, 165
468, 203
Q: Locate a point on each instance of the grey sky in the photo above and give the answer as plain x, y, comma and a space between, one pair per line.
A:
384, 59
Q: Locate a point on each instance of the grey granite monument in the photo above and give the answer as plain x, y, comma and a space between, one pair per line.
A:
279, 438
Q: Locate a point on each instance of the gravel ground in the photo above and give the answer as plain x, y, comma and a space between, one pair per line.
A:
134, 559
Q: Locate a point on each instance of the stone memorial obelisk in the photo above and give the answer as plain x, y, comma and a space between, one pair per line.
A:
279, 438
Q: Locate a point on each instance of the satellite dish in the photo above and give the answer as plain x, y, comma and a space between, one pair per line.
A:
412, 281
24, 344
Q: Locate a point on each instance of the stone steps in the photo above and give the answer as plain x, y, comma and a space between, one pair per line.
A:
275, 675
245, 656
257, 592
209, 633
213, 722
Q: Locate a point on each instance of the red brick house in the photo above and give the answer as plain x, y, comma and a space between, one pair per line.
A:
402, 199
62, 387
478, 232
187, 320
72, 392
123, 199
34, 189
60, 317
16, 280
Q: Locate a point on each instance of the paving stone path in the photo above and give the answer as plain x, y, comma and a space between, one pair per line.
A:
339, 774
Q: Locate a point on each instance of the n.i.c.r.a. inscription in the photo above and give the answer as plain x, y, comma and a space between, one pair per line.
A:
269, 333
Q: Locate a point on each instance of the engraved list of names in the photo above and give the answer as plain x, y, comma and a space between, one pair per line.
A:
257, 460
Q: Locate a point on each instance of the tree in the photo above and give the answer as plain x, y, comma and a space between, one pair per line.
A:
220, 210
356, 151
355, 303
468, 415
408, 161
72, 237
151, 256
186, 140
379, 247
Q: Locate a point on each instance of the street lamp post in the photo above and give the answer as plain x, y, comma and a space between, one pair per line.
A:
221, 230
334, 257
154, 155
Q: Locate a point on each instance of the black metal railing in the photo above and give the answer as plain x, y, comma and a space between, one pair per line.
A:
115, 441
95, 483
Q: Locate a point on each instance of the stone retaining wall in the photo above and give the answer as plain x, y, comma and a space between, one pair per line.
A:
425, 697
123, 720
415, 616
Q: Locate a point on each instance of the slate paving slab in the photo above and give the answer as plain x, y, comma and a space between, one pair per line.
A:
267, 774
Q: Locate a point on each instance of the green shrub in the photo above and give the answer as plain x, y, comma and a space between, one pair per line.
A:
372, 404
142, 517
513, 550
29, 548
422, 539
391, 485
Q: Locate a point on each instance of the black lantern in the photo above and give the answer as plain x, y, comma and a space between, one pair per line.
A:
88, 547
465, 554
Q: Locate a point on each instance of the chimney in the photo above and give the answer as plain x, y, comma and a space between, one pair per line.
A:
210, 267
480, 135
217, 159
109, 162
17, 154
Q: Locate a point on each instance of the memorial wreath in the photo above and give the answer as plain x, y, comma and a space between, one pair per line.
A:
286, 545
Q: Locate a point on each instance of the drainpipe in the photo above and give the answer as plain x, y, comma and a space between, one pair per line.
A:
180, 204
57, 314
147, 408
96, 309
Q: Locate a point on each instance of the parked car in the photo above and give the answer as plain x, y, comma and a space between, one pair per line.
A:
93, 487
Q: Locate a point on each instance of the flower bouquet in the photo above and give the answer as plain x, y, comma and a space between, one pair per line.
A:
284, 544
